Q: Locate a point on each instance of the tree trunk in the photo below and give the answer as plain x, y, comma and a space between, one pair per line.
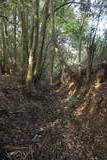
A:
24, 28
83, 19
33, 45
4, 35
3, 65
37, 69
90, 53
52, 65
79, 56
15, 45
29, 78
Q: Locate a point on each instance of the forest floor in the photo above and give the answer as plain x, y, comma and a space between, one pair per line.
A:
46, 126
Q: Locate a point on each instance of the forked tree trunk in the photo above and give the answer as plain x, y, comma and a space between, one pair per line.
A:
37, 69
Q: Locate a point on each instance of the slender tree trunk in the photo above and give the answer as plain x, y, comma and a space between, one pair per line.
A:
24, 27
29, 78
15, 45
37, 69
32, 33
80, 42
7, 47
79, 56
52, 65
45, 56
53, 40
36, 37
3, 67
4, 36
90, 53
89, 66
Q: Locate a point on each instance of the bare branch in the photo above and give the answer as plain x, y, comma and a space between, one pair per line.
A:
64, 4
1, 16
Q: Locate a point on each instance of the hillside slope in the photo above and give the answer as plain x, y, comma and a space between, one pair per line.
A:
49, 125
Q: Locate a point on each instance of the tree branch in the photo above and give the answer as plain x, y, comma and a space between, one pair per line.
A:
1, 16
64, 4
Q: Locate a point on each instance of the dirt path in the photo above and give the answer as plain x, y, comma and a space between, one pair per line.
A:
44, 127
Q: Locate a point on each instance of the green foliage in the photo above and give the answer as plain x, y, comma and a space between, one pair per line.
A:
72, 25
21, 108
11, 124
72, 101
66, 21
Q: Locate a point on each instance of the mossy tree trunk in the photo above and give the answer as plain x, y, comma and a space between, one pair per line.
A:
37, 44
34, 38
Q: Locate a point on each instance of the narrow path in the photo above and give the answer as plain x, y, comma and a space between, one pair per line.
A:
48, 130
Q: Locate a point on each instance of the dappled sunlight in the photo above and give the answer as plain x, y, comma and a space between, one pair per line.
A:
72, 92
71, 84
57, 90
79, 111
54, 123
66, 108
64, 100
98, 86
41, 129
53, 80
59, 122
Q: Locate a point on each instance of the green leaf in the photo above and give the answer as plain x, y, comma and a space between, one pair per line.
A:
20, 108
